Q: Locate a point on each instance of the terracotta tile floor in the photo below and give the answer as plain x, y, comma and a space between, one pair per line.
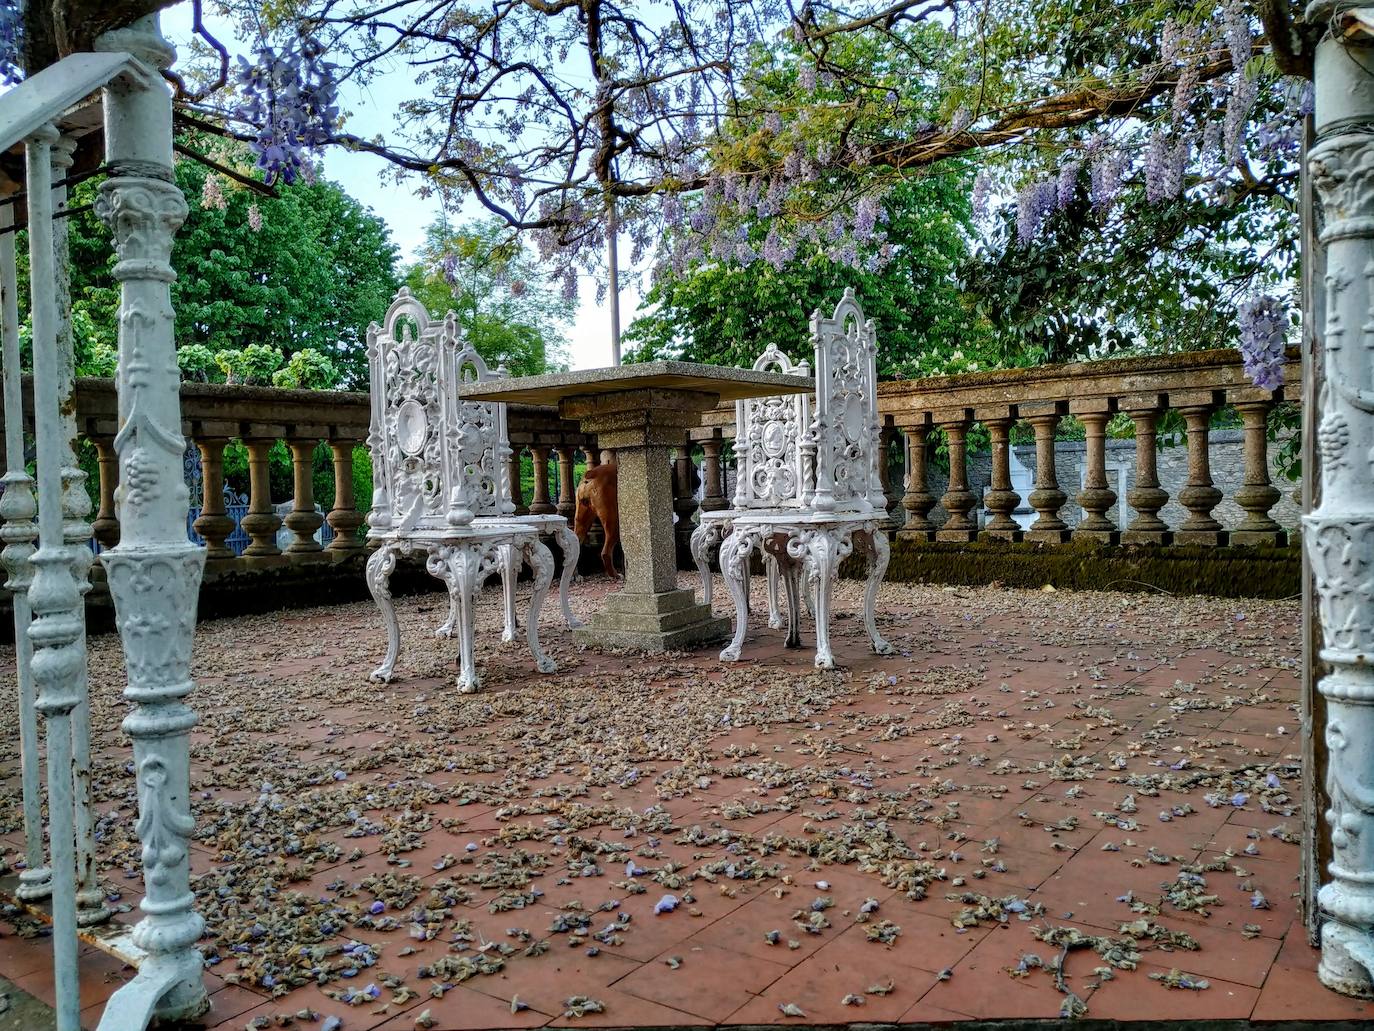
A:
875, 844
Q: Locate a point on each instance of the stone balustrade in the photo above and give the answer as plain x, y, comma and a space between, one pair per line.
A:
956, 497
213, 415
1132, 393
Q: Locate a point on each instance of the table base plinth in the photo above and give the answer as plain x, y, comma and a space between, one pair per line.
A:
653, 622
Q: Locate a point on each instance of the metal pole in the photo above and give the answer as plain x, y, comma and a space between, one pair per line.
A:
1339, 534
613, 265
1316, 843
57, 628
76, 530
154, 572
18, 507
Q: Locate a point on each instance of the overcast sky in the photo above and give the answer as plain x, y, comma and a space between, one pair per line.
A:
370, 180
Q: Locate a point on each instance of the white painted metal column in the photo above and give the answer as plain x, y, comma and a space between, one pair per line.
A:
154, 572
18, 507
76, 531
1339, 534
58, 626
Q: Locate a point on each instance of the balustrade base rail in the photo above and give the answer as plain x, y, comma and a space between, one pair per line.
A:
1224, 572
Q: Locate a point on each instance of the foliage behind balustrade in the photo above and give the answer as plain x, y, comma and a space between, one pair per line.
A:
305, 271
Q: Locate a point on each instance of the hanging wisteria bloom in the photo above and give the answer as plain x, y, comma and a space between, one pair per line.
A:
11, 35
1033, 205
982, 191
212, 194
290, 96
1067, 183
254, 217
1263, 328
1104, 179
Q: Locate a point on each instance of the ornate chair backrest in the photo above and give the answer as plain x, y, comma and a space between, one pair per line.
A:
436, 462
773, 459
478, 456
845, 427
406, 436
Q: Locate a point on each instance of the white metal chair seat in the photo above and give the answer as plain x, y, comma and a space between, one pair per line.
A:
807, 490
441, 486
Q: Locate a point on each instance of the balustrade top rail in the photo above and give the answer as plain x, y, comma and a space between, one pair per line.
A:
231, 411
1113, 384
1108, 385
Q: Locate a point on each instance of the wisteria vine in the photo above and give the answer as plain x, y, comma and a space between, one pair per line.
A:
710, 135
11, 41
290, 96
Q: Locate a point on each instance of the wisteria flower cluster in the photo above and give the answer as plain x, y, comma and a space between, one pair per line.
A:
1263, 326
1189, 144
290, 96
11, 38
212, 194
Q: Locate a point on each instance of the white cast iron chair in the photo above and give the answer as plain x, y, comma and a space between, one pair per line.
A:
807, 489
441, 485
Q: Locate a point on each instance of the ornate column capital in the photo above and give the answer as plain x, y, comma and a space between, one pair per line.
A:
144, 214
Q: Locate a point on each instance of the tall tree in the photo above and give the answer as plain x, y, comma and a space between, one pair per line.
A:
483, 273
307, 269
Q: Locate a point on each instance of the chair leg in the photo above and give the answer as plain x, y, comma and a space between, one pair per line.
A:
510, 573
572, 551
878, 554
770, 566
540, 559
734, 567
702, 538
824, 550
437, 567
379, 569
791, 578
462, 565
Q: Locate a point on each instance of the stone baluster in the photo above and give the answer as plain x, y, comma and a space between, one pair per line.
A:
1257, 495
917, 501
56, 632
684, 501
1339, 534
1096, 497
713, 496
105, 527
958, 499
1199, 496
541, 505
1000, 500
1047, 499
303, 520
261, 523
885, 438
517, 486
607, 456
214, 523
1146, 497
155, 572
567, 500
19, 532
344, 517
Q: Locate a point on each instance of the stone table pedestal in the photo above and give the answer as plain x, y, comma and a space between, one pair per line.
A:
642, 412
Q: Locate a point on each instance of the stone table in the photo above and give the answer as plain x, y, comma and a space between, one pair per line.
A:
643, 412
